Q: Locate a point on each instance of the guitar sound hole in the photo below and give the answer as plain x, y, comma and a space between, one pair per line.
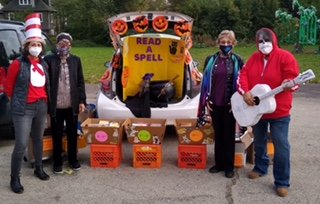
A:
256, 100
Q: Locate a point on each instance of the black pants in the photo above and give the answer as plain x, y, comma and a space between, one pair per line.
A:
57, 125
224, 146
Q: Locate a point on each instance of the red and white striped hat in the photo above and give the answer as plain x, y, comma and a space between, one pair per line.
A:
33, 28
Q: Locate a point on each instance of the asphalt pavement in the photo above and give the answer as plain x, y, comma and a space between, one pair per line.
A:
170, 184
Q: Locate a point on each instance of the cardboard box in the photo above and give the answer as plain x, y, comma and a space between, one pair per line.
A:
247, 139
145, 130
188, 133
103, 131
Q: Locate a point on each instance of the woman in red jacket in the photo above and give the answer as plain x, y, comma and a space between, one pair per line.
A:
273, 66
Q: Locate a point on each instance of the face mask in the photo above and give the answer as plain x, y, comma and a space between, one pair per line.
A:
35, 51
266, 47
225, 49
64, 51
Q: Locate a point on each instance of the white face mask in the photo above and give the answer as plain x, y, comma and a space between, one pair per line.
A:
35, 51
265, 47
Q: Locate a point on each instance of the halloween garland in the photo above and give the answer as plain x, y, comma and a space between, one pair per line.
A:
159, 24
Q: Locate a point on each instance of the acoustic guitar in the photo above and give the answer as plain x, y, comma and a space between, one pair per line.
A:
264, 99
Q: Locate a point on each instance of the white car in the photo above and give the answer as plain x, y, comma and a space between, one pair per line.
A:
152, 73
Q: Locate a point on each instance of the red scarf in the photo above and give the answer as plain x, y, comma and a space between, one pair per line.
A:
36, 68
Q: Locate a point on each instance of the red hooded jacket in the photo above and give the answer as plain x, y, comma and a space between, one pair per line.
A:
281, 65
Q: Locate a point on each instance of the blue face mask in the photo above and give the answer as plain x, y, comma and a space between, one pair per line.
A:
226, 49
64, 51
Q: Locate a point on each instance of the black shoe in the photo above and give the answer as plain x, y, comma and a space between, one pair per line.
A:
57, 169
16, 185
229, 174
39, 172
214, 170
76, 166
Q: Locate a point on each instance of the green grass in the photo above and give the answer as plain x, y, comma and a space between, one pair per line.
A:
94, 58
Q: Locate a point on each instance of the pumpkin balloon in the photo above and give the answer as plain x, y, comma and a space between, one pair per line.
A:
140, 24
120, 27
182, 28
160, 23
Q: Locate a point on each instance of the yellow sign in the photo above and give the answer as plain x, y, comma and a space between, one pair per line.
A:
164, 57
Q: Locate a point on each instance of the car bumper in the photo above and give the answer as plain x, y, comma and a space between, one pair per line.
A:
115, 109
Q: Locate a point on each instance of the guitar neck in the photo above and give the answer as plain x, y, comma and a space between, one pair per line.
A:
272, 92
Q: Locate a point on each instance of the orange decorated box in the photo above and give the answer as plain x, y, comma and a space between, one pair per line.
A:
189, 133
145, 130
103, 131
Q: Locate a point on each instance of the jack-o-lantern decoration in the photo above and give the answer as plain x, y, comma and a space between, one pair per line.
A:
120, 27
182, 28
160, 23
140, 24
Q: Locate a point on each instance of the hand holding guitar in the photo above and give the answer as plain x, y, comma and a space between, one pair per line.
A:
248, 98
289, 85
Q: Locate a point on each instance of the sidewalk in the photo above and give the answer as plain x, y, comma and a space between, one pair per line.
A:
169, 184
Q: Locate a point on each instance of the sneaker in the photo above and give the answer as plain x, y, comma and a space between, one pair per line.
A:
282, 191
57, 170
75, 166
254, 175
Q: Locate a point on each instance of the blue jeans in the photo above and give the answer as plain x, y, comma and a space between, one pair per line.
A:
279, 129
31, 124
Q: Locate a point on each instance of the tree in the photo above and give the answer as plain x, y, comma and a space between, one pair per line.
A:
263, 14
85, 20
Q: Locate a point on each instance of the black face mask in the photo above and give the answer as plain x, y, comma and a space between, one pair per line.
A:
226, 49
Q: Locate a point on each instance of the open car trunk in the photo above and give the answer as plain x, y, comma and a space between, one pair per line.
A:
160, 58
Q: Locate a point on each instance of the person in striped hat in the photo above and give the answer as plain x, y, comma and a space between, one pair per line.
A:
27, 87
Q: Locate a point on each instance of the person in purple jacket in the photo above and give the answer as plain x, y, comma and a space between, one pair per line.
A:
218, 84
